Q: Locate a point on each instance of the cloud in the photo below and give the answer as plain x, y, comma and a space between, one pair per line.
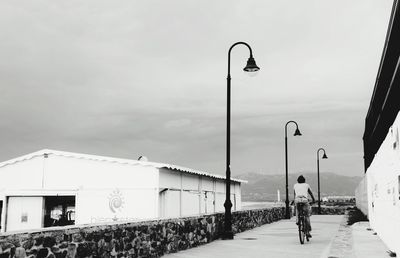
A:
149, 78
176, 124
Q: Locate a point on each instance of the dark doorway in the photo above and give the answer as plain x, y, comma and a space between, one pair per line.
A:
1, 212
59, 211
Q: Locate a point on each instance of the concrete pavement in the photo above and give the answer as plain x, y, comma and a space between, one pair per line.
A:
279, 239
332, 238
366, 244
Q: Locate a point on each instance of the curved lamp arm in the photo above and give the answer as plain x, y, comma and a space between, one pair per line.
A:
297, 127
229, 54
324, 156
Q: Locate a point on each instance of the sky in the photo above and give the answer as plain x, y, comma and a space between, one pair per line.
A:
131, 78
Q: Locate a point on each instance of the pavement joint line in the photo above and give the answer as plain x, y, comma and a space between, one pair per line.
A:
341, 245
327, 250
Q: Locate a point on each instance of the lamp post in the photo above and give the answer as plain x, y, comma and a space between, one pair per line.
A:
324, 157
296, 133
250, 67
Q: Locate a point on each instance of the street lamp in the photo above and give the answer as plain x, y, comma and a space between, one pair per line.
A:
250, 67
296, 133
324, 157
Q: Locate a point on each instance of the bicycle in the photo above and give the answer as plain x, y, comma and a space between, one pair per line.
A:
302, 223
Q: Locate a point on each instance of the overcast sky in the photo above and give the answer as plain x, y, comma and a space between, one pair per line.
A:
131, 78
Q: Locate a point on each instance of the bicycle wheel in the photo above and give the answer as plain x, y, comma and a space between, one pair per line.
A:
306, 228
301, 230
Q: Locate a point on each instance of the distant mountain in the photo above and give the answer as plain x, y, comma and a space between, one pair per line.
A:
261, 187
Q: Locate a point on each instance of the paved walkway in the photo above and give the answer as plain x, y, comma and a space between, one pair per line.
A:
279, 239
331, 239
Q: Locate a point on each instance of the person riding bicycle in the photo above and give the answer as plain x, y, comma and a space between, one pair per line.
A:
301, 192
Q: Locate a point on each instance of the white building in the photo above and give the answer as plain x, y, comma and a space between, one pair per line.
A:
50, 188
378, 194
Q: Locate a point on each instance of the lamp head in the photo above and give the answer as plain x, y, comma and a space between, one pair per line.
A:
251, 66
324, 156
297, 132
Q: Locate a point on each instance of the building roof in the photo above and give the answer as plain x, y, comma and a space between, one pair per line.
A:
114, 160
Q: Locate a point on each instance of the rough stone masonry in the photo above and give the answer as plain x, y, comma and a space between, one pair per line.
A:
135, 239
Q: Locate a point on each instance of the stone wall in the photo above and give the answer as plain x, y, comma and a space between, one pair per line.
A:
136, 239
331, 210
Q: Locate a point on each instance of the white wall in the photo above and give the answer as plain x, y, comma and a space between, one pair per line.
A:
97, 180
170, 204
68, 172
383, 180
190, 203
209, 206
199, 194
22, 175
60, 172
238, 196
115, 204
220, 190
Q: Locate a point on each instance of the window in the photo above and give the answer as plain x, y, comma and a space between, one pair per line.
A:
59, 211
